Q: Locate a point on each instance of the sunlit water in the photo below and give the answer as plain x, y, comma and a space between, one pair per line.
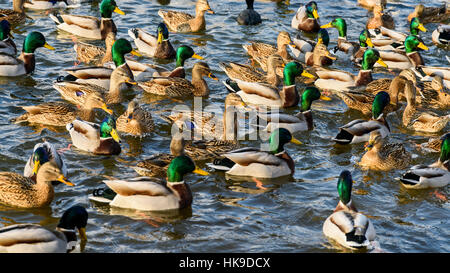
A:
226, 216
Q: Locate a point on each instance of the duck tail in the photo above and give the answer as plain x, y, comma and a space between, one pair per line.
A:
343, 137
133, 33
409, 178
221, 164
56, 17
231, 85
103, 195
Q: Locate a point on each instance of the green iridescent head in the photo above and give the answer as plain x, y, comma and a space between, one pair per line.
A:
5, 30
323, 36
180, 166
309, 95
33, 41
278, 138
415, 26
364, 39
75, 217
311, 10
445, 148
412, 43
107, 7
119, 49
339, 24
108, 129
292, 70
184, 53
370, 57
40, 156
344, 187
381, 100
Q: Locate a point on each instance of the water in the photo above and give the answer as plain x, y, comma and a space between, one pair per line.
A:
226, 216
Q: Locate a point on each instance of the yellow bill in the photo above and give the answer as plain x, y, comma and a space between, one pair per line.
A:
37, 164
200, 171
64, 180
369, 42
380, 61
160, 37
130, 81
422, 46
306, 74
197, 56
117, 10
48, 46
319, 41
82, 232
296, 141
211, 75
106, 109
328, 55
293, 45
422, 28
327, 25
322, 97
315, 14
210, 11
135, 53
115, 135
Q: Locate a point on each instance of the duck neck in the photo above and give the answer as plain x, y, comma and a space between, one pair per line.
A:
106, 26
249, 4
115, 94
182, 191
198, 22
364, 77
86, 113
29, 61
44, 190
309, 119
201, 88
415, 58
272, 76
230, 123
289, 96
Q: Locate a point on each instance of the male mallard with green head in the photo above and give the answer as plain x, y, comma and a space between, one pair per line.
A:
306, 18
157, 47
7, 45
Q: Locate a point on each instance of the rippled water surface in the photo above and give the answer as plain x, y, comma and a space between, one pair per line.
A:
226, 216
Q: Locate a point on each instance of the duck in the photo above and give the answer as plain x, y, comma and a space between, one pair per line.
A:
335, 80
359, 130
256, 163
89, 26
7, 45
261, 94
302, 121
60, 113
145, 194
444, 72
383, 156
362, 100
42, 153
418, 119
380, 19
10, 66
95, 55
135, 120
33, 238
306, 18
52, 4
441, 35
157, 47
303, 45
16, 15
179, 87
431, 14
364, 42
260, 52
318, 55
17, 190
433, 145
183, 22
250, 74
249, 16
430, 176
370, 4
343, 44
346, 225
99, 139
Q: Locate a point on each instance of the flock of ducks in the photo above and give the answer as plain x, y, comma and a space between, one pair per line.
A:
109, 75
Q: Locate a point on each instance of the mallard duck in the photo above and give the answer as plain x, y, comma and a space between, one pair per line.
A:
302, 121
306, 18
60, 113
430, 176
262, 94
343, 44
19, 191
364, 43
33, 238
92, 54
383, 156
10, 66
250, 74
179, 87
380, 19
98, 139
158, 47
7, 45
317, 56
431, 14
42, 153
303, 45
135, 121
433, 145
359, 130
253, 162
346, 225
335, 80
249, 16
147, 195
441, 35
419, 120
444, 72
16, 15
432, 94
260, 52
52, 4
89, 26
182, 22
